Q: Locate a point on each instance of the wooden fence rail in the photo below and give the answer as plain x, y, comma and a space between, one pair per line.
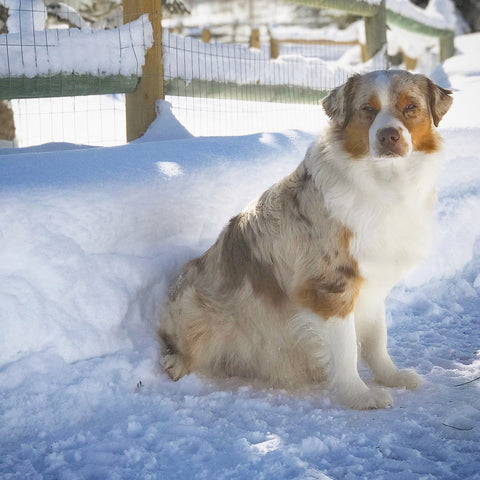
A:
377, 17
61, 85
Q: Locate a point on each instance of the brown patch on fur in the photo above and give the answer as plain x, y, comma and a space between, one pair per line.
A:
374, 102
239, 263
355, 134
418, 121
424, 137
332, 293
355, 138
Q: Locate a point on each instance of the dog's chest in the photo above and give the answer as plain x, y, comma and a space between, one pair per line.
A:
391, 242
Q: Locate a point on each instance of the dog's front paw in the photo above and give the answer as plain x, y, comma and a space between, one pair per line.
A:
175, 366
401, 378
366, 399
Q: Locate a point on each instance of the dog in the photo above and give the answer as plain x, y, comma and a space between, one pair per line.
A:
293, 291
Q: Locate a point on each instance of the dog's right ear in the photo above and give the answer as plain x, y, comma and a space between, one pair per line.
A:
338, 103
440, 101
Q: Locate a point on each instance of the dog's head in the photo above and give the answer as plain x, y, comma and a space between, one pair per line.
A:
387, 114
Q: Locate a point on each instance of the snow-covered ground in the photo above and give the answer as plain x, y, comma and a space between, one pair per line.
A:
90, 239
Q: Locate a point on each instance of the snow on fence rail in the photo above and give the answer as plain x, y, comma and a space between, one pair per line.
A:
212, 70
61, 62
401, 13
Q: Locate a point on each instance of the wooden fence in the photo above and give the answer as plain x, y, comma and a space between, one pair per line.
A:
143, 91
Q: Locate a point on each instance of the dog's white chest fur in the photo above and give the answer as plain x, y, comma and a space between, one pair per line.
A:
387, 204
397, 241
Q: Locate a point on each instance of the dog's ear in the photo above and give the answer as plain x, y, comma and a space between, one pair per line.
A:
338, 103
440, 101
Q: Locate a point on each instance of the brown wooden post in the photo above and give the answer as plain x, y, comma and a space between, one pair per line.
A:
447, 46
255, 38
274, 48
363, 50
206, 35
410, 63
140, 104
376, 31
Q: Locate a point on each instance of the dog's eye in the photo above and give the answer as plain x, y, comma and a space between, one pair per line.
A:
410, 107
369, 109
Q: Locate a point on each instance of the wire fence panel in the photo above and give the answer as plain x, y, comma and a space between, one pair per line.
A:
84, 120
219, 88
62, 72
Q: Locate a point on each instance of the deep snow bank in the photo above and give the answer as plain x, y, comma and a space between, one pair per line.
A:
93, 234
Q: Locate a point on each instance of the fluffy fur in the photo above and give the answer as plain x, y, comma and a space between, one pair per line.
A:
293, 290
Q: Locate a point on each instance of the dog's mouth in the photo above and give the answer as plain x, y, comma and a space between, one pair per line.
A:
389, 154
398, 151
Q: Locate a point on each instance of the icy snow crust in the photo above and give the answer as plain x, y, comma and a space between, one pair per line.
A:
91, 238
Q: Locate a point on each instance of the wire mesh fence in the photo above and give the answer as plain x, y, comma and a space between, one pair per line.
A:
63, 73
229, 67
84, 120
246, 66
238, 89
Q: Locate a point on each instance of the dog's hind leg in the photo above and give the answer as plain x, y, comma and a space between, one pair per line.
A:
175, 366
174, 363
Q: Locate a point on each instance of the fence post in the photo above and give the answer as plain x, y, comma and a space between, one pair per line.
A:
206, 35
410, 63
447, 46
376, 31
274, 47
140, 104
254, 41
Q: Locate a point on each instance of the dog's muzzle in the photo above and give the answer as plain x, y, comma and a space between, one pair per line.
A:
390, 143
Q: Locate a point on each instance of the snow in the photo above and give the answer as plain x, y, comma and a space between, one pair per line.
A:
439, 13
331, 32
91, 238
90, 119
189, 58
118, 51
25, 16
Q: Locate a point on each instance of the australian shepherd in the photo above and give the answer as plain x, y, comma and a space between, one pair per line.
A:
293, 290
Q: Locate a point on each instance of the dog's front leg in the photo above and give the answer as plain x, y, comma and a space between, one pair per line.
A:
333, 343
340, 340
372, 336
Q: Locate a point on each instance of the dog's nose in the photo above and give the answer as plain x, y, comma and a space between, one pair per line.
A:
388, 136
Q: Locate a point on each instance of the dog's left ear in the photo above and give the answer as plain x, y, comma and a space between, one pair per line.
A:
338, 103
440, 101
